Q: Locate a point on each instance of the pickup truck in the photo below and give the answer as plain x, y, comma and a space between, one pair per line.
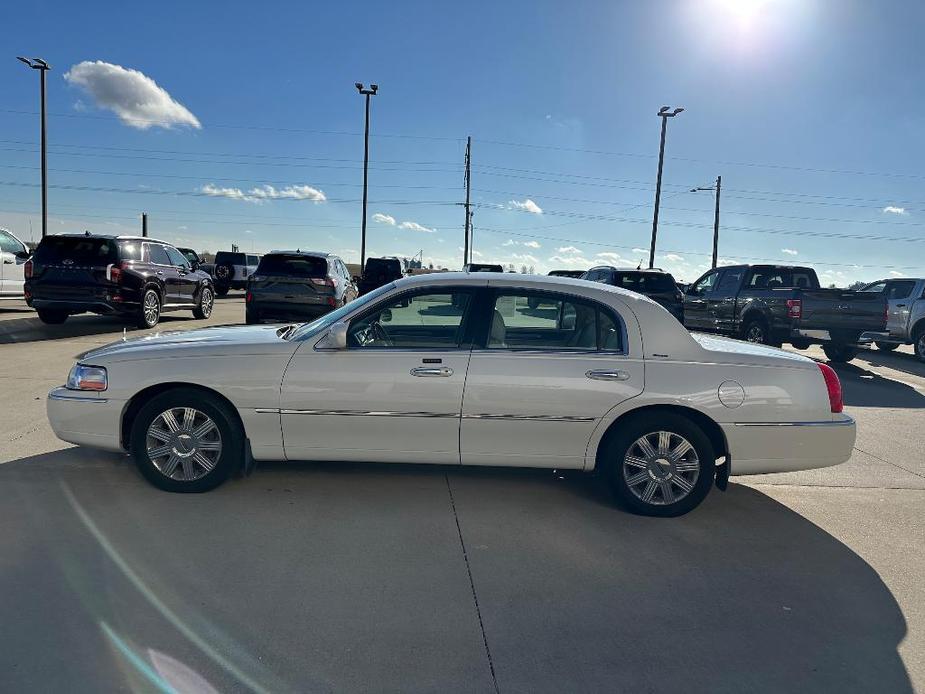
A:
378, 272
905, 299
773, 304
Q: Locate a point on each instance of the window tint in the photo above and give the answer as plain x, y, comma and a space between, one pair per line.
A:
875, 288
900, 289
645, 282
82, 251
426, 320
8, 244
157, 254
704, 284
729, 281
190, 254
229, 258
804, 280
176, 258
770, 278
528, 320
293, 266
130, 250
252, 260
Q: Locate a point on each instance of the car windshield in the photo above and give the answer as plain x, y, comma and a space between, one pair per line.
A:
308, 329
293, 265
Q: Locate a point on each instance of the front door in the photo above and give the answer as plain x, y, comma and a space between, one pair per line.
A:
13, 256
899, 300
721, 300
186, 281
394, 395
550, 367
696, 306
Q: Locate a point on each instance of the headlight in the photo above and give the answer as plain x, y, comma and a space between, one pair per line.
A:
87, 378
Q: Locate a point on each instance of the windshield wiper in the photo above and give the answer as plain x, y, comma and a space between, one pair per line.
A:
285, 331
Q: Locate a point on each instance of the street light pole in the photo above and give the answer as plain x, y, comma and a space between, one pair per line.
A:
664, 113
42, 67
373, 88
716, 189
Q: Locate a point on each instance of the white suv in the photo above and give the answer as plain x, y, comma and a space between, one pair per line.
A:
232, 270
13, 255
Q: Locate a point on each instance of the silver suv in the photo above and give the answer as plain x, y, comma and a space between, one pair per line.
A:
905, 298
232, 270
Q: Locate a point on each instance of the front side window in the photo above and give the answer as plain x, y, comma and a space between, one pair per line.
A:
176, 258
537, 320
427, 320
8, 244
704, 284
729, 282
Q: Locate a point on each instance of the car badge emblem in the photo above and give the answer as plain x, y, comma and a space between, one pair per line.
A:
67, 262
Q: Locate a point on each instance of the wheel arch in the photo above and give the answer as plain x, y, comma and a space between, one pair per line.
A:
710, 427
917, 328
138, 400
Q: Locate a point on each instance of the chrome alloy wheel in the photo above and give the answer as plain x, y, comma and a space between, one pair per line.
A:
151, 307
755, 333
206, 302
661, 468
183, 443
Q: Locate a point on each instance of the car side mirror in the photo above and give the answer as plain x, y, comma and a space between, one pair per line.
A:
335, 338
194, 266
23, 255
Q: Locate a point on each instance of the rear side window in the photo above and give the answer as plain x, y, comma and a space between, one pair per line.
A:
771, 278
645, 282
293, 266
900, 289
81, 251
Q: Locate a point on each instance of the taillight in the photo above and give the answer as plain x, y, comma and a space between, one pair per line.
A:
248, 298
886, 314
27, 269
114, 272
322, 281
833, 385
795, 308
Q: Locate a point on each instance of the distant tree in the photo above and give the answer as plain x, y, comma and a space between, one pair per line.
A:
207, 256
510, 267
832, 286
532, 270
523, 269
856, 285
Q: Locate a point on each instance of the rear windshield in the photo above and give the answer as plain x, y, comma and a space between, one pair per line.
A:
293, 266
230, 258
381, 265
85, 251
645, 282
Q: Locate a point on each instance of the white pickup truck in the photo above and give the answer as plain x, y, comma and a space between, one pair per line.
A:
13, 256
906, 313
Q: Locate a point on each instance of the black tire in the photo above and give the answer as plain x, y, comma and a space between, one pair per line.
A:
221, 290
251, 318
149, 311
52, 317
206, 302
800, 344
918, 344
839, 353
756, 330
887, 346
624, 443
230, 437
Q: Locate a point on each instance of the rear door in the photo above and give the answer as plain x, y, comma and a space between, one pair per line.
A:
550, 366
156, 255
899, 302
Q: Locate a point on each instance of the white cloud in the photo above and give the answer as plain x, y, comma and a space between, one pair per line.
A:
526, 206
384, 219
892, 209
673, 257
134, 97
525, 257
509, 242
182, 227
895, 274
609, 255
569, 250
570, 261
640, 250
531, 244
414, 226
262, 193
789, 251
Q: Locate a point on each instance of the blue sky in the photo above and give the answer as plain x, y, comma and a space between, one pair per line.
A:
811, 111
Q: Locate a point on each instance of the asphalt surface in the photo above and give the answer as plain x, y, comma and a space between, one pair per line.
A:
332, 577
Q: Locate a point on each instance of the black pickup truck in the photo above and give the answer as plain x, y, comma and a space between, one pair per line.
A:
773, 304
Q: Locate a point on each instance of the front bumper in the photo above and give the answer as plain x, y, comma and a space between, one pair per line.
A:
85, 418
762, 447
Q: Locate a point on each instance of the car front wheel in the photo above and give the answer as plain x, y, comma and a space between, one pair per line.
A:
183, 440
919, 344
659, 465
206, 301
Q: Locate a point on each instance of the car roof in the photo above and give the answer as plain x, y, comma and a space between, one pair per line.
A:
316, 254
653, 270
109, 237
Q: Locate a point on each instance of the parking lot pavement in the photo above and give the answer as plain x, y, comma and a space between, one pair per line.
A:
321, 577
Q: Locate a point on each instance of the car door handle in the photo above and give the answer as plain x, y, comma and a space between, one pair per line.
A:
7, 261
160, 272
432, 371
897, 305
605, 375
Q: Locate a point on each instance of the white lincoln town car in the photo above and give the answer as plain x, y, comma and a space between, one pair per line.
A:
471, 369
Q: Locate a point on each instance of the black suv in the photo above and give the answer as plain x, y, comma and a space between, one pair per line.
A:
125, 275
297, 285
379, 272
656, 284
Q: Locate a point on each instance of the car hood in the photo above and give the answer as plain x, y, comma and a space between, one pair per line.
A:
223, 340
729, 351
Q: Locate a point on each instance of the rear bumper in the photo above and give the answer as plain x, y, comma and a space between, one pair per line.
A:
85, 419
872, 336
268, 310
102, 307
763, 447
846, 337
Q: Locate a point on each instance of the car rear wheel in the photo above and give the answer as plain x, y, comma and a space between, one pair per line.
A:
659, 465
839, 353
887, 346
919, 344
149, 313
206, 301
52, 317
186, 441
756, 330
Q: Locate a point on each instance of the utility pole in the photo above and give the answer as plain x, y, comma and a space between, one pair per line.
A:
144, 224
42, 67
468, 190
373, 88
664, 114
717, 188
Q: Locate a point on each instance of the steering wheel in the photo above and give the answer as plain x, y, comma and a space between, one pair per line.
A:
378, 333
